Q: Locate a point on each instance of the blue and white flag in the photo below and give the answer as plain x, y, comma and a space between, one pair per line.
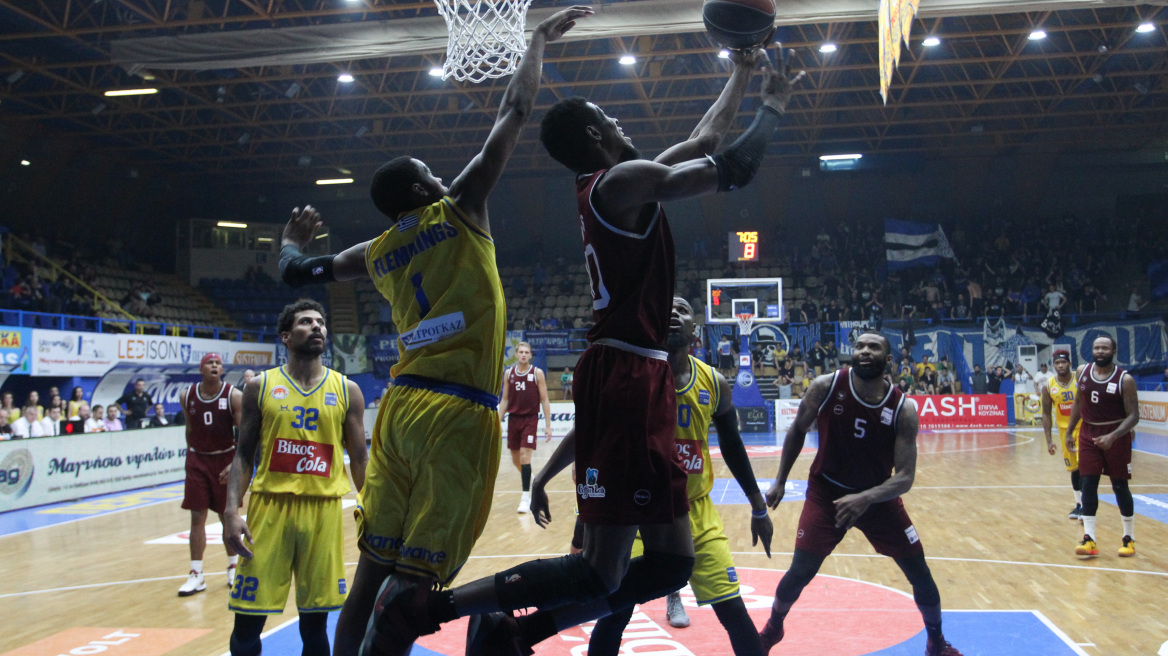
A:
909, 244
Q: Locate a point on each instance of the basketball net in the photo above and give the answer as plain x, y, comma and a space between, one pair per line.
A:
486, 37
745, 323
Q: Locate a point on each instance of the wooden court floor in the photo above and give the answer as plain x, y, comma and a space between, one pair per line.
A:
990, 507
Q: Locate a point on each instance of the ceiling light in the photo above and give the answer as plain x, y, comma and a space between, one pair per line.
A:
15, 76
436, 71
723, 54
293, 89
231, 224
345, 77
146, 76
1144, 28
322, 235
361, 131
1037, 35
335, 181
628, 60
831, 158
131, 92
828, 48
25, 162
97, 109
243, 138
931, 41
264, 239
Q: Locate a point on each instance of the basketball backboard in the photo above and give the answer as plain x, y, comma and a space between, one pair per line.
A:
728, 297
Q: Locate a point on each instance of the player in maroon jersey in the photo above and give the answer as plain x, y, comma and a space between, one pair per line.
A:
524, 393
627, 469
867, 459
212, 408
1109, 408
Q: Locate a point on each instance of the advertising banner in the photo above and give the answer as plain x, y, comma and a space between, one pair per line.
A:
785, 411
1154, 409
383, 353
962, 410
64, 353
14, 350
553, 342
48, 470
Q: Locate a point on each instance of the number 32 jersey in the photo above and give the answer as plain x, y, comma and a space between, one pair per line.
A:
301, 436
437, 270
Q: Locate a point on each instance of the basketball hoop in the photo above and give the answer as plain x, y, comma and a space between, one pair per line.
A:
486, 37
745, 323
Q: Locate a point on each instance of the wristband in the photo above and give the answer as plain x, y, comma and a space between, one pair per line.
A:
759, 514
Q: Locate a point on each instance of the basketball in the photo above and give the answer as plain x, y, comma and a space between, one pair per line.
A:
739, 24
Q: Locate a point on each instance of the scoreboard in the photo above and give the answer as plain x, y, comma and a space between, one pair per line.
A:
743, 246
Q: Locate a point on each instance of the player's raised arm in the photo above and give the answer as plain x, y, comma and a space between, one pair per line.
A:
235, 529
797, 435
297, 269
734, 453
711, 130
353, 433
632, 184
472, 187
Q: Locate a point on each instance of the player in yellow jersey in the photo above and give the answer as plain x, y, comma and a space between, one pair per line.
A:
703, 395
1057, 399
296, 424
436, 443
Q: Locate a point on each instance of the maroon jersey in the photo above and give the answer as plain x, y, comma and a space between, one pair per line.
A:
631, 274
1102, 400
210, 420
856, 440
522, 391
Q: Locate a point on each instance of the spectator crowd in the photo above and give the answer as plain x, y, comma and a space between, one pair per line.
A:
133, 410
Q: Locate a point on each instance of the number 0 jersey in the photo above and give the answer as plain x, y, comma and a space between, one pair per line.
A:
696, 403
438, 272
301, 436
1062, 399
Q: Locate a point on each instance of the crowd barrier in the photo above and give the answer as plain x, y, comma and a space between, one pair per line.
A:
39, 471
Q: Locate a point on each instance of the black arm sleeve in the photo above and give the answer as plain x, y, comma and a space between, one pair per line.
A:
297, 269
738, 164
734, 452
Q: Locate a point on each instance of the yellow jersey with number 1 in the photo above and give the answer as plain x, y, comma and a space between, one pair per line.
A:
438, 272
696, 403
302, 436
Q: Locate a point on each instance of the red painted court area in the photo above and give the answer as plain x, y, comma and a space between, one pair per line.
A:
861, 618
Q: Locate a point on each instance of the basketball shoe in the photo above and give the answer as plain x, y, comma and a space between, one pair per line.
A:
1128, 548
770, 635
1087, 547
675, 612
525, 502
495, 634
399, 618
1077, 512
194, 584
940, 648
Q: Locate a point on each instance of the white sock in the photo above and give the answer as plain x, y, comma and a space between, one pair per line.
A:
1078, 497
1129, 526
232, 561
1089, 526
197, 566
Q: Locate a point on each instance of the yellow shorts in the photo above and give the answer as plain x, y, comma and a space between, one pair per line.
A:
292, 534
1070, 458
429, 482
714, 578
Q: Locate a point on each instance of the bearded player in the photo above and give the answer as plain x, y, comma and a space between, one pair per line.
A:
867, 459
212, 407
1058, 392
524, 393
1109, 408
703, 395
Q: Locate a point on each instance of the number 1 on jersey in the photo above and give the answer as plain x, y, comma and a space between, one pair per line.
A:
420, 296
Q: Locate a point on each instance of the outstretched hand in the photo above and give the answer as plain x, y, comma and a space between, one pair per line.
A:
302, 227
557, 25
778, 86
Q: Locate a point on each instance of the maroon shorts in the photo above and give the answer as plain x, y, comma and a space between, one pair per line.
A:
628, 470
886, 525
521, 430
1114, 462
203, 490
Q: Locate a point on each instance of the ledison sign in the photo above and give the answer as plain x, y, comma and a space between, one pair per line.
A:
63, 353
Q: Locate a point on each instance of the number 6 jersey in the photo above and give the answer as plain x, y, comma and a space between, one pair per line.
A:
301, 436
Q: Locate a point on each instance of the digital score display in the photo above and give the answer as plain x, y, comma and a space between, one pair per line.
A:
744, 246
